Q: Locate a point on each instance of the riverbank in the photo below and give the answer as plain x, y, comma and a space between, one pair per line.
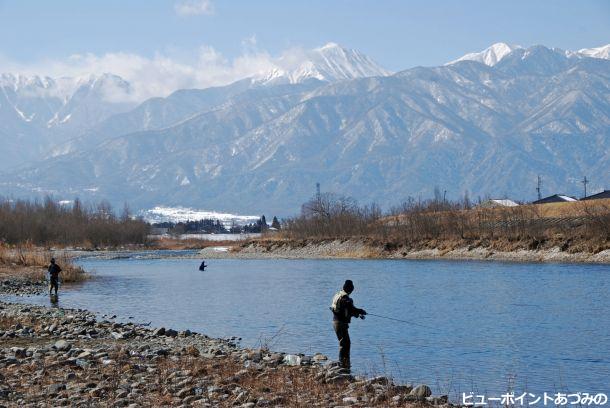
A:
60, 357
28, 267
498, 250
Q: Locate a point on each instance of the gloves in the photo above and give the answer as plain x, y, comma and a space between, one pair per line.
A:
362, 314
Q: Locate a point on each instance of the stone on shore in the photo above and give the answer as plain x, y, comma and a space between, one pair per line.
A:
421, 392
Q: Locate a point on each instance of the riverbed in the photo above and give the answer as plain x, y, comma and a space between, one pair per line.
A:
467, 326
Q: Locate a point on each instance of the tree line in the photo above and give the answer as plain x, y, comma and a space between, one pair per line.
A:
48, 222
334, 216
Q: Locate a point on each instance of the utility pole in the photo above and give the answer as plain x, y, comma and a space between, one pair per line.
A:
444, 196
318, 195
584, 183
539, 185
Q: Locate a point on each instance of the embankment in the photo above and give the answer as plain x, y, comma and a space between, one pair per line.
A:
497, 250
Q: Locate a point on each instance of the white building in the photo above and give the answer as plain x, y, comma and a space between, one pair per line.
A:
497, 203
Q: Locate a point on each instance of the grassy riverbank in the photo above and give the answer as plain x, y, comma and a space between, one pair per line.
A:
27, 265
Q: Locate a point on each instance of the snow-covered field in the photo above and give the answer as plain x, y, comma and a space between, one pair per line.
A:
178, 214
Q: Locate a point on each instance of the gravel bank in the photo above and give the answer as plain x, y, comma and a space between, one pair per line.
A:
358, 249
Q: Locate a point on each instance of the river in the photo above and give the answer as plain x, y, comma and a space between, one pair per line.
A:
482, 327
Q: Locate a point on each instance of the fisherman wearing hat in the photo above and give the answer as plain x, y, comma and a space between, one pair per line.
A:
343, 310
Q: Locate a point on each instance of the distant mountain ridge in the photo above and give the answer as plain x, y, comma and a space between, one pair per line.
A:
260, 148
38, 112
496, 52
54, 116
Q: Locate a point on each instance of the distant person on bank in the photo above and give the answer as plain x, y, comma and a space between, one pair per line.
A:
54, 271
343, 310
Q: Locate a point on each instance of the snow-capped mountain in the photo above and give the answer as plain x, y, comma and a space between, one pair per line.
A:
599, 52
489, 56
61, 101
55, 116
495, 53
37, 113
329, 63
466, 126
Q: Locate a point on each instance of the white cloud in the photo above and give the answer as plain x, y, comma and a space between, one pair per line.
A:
186, 8
162, 73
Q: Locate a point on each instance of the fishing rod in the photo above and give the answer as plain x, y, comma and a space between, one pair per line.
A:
402, 321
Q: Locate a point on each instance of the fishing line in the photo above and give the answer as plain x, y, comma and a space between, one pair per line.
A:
402, 321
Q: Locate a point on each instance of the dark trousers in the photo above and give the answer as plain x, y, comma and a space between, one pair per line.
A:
54, 284
342, 332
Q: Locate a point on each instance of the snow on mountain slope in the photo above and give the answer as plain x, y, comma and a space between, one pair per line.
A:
55, 116
497, 52
328, 63
489, 56
37, 113
599, 52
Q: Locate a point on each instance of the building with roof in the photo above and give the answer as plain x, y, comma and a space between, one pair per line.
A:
555, 198
599, 196
498, 203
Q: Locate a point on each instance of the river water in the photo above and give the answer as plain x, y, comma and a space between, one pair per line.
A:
482, 327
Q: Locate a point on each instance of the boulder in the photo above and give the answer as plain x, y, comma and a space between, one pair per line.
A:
56, 388
159, 331
62, 345
292, 360
318, 357
421, 392
19, 352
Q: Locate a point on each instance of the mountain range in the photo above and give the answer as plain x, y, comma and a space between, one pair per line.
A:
488, 123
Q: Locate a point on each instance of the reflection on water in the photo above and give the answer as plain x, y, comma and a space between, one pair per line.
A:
480, 326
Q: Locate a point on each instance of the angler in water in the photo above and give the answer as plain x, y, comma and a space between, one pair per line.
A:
343, 310
202, 266
54, 270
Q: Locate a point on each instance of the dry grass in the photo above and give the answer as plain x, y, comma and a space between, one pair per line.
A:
575, 209
529, 211
31, 263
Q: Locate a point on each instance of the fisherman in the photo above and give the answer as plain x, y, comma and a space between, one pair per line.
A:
343, 310
54, 270
202, 266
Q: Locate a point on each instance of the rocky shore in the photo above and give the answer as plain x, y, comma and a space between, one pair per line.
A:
64, 357
361, 249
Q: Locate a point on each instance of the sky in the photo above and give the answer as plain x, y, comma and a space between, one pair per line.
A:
206, 42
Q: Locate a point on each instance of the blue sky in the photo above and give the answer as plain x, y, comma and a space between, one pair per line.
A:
397, 34
68, 36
